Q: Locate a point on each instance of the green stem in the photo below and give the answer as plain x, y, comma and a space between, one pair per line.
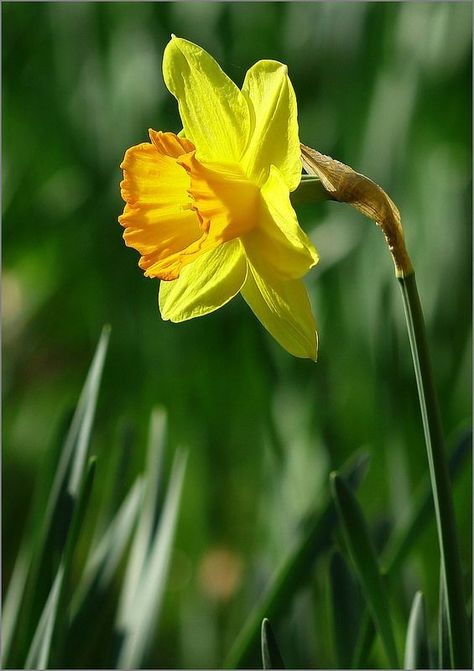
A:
310, 190
440, 482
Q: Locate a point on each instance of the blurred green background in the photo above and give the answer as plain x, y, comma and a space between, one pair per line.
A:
383, 87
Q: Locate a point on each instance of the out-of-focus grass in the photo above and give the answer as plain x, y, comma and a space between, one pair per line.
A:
384, 87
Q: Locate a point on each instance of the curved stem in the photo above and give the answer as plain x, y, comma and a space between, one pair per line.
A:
440, 482
344, 184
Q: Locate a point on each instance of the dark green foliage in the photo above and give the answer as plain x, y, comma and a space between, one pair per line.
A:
345, 610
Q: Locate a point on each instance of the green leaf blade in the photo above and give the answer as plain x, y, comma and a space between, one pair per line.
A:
444, 651
402, 541
271, 657
344, 599
38, 654
56, 523
138, 621
417, 654
365, 563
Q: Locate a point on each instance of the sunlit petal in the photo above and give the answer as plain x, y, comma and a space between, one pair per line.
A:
214, 112
206, 284
274, 136
284, 309
278, 247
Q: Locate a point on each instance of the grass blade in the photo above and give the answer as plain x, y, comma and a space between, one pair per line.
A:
344, 599
38, 654
404, 538
74, 453
364, 642
362, 553
149, 511
458, 628
316, 539
104, 560
51, 627
421, 512
90, 628
444, 653
271, 657
140, 622
50, 544
417, 654
13, 599
83, 497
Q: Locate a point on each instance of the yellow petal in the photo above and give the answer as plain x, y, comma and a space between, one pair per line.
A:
278, 247
274, 134
214, 112
204, 285
284, 309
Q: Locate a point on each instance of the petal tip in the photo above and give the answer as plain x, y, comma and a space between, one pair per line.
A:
164, 314
309, 350
151, 134
271, 66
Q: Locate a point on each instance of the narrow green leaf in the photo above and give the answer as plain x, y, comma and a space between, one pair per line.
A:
314, 541
344, 599
444, 652
417, 654
141, 618
38, 654
365, 562
364, 642
420, 513
147, 521
13, 599
83, 497
14, 603
89, 405
458, 627
65, 589
96, 585
40, 649
104, 560
51, 541
404, 538
271, 657
74, 453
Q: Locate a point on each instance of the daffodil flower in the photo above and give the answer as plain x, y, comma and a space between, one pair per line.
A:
209, 208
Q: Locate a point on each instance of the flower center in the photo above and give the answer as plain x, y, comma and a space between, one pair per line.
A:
179, 208
226, 202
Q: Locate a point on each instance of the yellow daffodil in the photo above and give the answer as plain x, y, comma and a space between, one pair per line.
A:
209, 208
